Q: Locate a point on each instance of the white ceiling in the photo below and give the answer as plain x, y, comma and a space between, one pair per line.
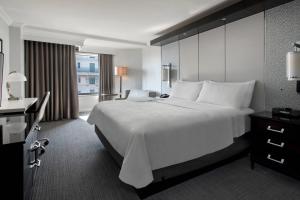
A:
131, 20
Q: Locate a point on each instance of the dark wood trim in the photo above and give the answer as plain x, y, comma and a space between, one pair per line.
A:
227, 15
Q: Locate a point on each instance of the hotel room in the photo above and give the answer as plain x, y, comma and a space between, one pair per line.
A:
152, 100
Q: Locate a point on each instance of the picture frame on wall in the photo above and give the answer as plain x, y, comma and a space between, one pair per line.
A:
1, 68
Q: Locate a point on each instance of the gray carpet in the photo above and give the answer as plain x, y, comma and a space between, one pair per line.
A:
77, 167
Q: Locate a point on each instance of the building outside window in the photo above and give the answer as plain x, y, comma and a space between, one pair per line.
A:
92, 67
92, 80
87, 73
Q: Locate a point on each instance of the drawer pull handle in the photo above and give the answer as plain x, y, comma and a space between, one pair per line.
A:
274, 144
281, 161
269, 128
36, 163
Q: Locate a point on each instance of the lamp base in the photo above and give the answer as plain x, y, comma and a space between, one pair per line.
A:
298, 87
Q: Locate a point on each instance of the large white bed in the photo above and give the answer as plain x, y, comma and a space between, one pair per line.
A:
151, 135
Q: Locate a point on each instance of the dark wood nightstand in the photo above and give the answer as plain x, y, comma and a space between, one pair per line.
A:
276, 143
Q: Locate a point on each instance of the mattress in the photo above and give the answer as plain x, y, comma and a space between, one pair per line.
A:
156, 134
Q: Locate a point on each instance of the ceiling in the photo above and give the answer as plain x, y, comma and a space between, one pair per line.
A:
128, 20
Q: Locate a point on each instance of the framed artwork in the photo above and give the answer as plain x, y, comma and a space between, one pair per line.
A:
1, 68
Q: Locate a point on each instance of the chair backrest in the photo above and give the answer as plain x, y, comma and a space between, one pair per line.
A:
42, 108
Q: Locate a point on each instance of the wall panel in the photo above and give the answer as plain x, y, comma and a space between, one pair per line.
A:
245, 54
189, 58
170, 54
212, 55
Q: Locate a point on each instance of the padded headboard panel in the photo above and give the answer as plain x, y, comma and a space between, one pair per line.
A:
245, 55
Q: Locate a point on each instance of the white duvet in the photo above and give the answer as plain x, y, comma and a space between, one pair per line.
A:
160, 133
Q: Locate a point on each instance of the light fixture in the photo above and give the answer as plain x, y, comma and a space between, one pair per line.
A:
293, 66
166, 73
14, 77
121, 71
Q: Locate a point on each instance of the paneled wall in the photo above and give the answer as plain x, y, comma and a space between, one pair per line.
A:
188, 57
245, 54
170, 54
233, 52
212, 55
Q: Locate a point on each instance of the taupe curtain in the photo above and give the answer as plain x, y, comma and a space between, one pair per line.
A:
106, 75
51, 67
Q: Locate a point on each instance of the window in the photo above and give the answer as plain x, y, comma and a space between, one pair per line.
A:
87, 73
92, 80
92, 67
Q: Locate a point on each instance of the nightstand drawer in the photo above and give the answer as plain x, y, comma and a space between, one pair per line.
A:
270, 127
271, 159
262, 139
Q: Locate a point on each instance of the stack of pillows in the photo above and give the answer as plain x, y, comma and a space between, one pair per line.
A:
229, 94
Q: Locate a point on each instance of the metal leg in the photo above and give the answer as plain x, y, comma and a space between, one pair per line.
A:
120, 86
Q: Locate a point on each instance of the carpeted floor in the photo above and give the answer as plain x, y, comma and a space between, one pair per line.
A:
77, 167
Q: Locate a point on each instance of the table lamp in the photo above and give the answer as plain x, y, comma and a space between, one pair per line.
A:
14, 77
121, 71
293, 66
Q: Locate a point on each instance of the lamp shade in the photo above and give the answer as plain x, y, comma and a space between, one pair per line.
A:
121, 71
16, 77
293, 65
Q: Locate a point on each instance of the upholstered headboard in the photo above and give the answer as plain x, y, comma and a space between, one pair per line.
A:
231, 53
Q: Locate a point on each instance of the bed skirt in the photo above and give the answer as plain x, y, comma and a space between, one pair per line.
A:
241, 145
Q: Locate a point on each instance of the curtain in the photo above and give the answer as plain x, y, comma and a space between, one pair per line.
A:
51, 67
106, 76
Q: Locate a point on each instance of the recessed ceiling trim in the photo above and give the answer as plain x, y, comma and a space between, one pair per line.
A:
227, 15
5, 16
86, 35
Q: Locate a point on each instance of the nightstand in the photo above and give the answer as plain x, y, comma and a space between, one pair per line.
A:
276, 143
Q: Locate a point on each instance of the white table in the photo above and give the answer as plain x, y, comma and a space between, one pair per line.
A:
16, 106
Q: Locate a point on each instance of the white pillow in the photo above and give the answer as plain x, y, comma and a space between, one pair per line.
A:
186, 90
231, 94
136, 93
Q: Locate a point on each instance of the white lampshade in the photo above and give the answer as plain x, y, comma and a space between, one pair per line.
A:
293, 65
16, 77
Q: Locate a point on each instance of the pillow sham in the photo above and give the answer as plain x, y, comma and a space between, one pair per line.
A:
136, 93
186, 90
230, 94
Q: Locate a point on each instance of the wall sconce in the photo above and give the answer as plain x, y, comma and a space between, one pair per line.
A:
166, 73
293, 65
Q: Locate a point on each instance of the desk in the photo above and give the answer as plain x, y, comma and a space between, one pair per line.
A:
17, 106
17, 137
20, 148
